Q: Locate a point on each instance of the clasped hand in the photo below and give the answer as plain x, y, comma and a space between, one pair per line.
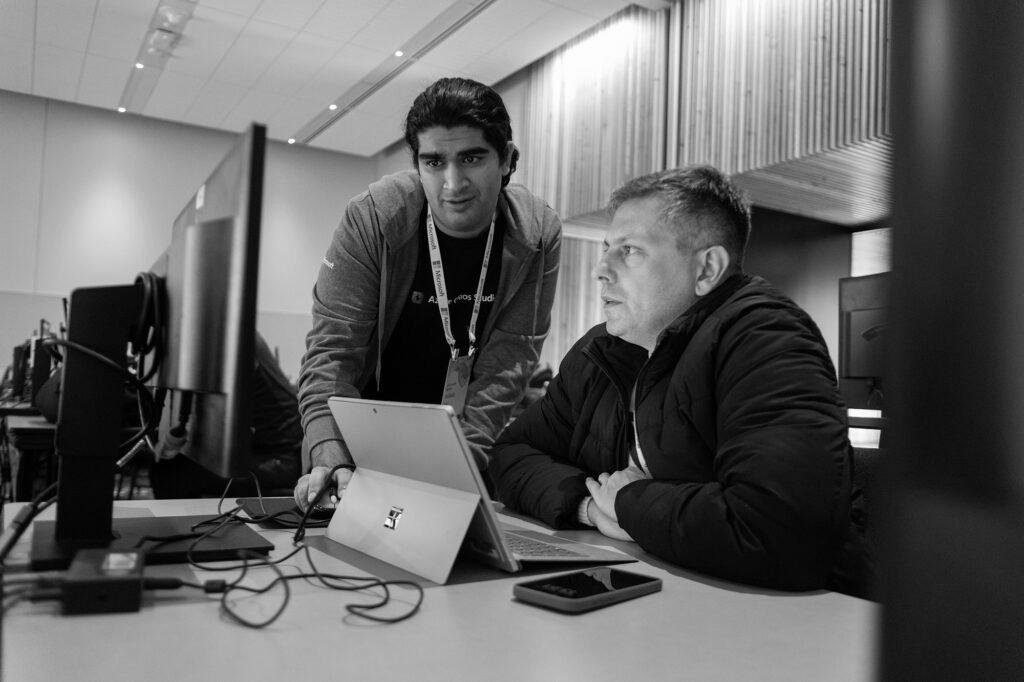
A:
603, 491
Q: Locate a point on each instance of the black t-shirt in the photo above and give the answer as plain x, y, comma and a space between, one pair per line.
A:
416, 358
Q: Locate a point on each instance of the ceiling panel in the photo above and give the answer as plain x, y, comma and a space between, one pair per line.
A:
306, 54
243, 7
530, 43
252, 53
341, 73
280, 61
294, 13
119, 27
208, 37
398, 22
16, 63
103, 81
342, 20
18, 20
64, 22
292, 117
174, 95
213, 104
600, 9
477, 38
56, 72
255, 106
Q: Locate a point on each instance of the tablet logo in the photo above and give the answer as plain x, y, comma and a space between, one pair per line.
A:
394, 515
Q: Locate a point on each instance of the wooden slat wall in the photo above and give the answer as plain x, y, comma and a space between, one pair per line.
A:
577, 307
596, 114
769, 81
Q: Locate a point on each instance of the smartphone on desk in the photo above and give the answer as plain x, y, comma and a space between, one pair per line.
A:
585, 590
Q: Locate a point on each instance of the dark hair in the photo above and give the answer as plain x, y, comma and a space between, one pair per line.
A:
451, 102
699, 197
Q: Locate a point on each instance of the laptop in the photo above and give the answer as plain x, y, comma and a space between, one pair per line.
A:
417, 500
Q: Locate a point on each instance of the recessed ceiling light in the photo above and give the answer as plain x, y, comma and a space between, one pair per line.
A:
291, 140
139, 65
399, 53
333, 107
121, 110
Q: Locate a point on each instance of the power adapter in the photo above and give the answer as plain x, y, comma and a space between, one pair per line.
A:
103, 581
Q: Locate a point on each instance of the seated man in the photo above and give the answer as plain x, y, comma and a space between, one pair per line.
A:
703, 419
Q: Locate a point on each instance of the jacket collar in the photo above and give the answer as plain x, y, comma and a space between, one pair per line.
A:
694, 316
622, 360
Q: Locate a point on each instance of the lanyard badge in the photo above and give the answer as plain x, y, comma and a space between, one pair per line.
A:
456, 380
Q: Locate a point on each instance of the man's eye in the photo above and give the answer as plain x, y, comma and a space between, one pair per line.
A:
432, 163
627, 250
470, 159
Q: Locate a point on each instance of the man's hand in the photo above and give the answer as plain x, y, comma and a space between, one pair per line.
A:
606, 525
330, 454
607, 486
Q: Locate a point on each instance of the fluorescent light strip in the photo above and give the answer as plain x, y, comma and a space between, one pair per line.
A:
165, 30
446, 23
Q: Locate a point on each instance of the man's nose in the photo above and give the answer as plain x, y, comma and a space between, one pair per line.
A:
602, 272
453, 176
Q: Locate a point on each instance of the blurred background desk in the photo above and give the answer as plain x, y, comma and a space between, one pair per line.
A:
696, 628
33, 464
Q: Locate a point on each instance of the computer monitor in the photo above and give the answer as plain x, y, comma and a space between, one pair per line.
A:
863, 339
200, 299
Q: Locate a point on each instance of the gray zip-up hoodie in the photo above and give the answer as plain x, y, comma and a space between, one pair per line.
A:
363, 283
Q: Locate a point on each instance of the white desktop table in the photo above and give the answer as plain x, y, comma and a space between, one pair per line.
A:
696, 628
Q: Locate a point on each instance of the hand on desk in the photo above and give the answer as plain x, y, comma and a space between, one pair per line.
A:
309, 486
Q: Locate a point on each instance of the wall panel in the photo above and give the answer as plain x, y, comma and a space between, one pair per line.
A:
596, 112
791, 97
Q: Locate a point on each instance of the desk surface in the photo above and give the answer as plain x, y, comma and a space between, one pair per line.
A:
695, 628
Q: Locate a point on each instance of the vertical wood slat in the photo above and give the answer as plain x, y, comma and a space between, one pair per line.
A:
768, 81
597, 112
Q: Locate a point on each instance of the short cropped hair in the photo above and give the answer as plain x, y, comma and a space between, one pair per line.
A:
700, 197
451, 102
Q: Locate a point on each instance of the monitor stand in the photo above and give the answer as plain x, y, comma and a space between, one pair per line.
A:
88, 437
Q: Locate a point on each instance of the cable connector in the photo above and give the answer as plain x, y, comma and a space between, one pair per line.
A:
173, 444
215, 586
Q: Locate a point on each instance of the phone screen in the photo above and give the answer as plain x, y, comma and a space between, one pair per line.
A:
588, 583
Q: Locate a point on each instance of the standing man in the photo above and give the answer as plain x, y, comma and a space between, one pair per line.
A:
437, 285
703, 419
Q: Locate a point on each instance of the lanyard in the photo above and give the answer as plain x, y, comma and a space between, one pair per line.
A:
442, 291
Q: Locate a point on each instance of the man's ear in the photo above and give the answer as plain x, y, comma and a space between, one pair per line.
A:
506, 164
712, 265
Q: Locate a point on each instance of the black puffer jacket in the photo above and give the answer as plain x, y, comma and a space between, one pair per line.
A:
740, 423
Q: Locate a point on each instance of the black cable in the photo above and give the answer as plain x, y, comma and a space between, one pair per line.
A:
149, 329
237, 617
142, 390
360, 610
328, 580
22, 520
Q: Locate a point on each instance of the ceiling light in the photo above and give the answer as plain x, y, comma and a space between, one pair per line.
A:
399, 53
163, 35
121, 110
333, 107
291, 140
